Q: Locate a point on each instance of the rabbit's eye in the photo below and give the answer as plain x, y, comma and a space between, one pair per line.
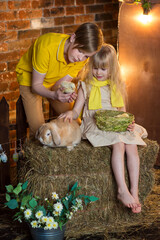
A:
48, 134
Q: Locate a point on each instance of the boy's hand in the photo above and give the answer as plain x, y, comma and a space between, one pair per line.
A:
62, 97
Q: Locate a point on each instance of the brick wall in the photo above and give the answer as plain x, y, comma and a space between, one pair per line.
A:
22, 21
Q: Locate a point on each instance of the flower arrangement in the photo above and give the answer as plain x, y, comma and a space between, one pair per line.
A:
52, 214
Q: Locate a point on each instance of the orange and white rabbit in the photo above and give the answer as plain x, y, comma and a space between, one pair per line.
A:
58, 133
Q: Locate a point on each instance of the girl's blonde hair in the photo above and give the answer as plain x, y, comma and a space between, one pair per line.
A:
106, 57
89, 37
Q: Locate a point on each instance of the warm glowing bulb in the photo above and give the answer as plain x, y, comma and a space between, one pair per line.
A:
145, 19
126, 70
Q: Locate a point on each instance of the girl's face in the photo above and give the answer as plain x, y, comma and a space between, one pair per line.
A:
100, 74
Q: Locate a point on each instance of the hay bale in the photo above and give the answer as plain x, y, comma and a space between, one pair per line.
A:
53, 169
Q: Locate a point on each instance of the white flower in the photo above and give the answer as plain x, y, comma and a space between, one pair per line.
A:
74, 208
39, 214
27, 213
49, 226
34, 224
58, 207
56, 213
44, 219
79, 201
22, 208
55, 195
46, 199
69, 215
20, 220
50, 220
55, 225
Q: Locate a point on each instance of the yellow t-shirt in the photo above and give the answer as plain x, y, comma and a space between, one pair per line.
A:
46, 55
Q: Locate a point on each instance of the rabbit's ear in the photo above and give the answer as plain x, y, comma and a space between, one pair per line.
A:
55, 136
39, 131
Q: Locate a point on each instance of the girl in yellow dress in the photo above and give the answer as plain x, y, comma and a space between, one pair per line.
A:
103, 88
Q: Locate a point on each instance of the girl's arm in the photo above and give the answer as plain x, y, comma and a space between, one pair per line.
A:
38, 88
75, 112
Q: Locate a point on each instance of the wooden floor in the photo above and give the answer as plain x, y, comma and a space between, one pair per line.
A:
10, 230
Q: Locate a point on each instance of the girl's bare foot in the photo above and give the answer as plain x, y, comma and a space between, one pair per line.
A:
136, 209
127, 199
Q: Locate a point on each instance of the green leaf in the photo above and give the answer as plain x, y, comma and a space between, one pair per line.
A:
86, 201
9, 188
25, 200
60, 225
18, 189
33, 203
74, 186
93, 198
8, 198
24, 186
66, 204
12, 204
81, 196
17, 214
74, 202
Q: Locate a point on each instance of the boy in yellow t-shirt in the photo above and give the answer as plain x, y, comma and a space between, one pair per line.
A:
54, 58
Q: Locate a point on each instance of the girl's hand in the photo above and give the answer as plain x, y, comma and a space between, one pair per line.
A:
67, 116
131, 127
73, 97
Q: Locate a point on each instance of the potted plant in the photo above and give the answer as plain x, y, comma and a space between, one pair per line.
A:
46, 217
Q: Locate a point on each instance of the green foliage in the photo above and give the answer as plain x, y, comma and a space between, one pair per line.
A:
146, 4
24, 186
18, 189
12, 204
30, 210
33, 203
9, 188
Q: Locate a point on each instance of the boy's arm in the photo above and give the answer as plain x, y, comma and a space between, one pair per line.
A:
56, 94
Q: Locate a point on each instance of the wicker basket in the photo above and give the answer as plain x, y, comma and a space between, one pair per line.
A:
116, 121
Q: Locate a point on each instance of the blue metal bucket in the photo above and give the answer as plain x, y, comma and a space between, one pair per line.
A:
53, 234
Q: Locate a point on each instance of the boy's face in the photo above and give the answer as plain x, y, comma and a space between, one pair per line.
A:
100, 74
75, 54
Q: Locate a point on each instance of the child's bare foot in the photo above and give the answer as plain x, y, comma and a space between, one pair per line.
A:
136, 209
127, 199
